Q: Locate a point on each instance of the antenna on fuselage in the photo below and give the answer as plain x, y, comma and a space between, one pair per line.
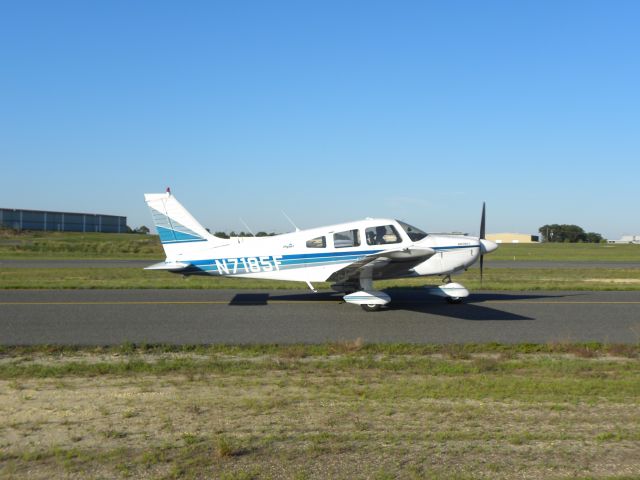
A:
248, 228
290, 221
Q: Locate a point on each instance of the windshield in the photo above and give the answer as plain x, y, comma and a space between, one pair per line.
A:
415, 234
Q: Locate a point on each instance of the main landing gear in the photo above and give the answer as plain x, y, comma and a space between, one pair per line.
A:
371, 300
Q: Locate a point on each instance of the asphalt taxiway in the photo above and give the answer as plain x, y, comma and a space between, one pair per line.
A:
104, 317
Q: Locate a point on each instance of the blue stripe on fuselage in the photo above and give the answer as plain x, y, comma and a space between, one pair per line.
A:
299, 260
294, 257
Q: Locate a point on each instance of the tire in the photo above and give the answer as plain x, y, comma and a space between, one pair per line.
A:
371, 307
454, 300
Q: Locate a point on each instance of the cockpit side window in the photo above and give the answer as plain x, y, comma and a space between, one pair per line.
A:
348, 238
382, 235
318, 242
415, 234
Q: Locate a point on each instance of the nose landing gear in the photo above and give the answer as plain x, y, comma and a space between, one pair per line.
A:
452, 292
371, 307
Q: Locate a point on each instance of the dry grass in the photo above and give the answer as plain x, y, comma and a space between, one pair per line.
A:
351, 415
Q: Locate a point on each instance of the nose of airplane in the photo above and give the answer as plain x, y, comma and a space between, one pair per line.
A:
487, 246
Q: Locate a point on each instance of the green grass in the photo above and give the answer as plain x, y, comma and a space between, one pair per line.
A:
494, 279
122, 246
566, 252
346, 410
78, 245
534, 379
346, 348
122, 278
132, 246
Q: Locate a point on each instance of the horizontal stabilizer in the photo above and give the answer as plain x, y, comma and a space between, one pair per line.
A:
168, 266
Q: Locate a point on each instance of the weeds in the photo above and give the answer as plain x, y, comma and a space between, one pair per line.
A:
392, 411
346, 346
225, 447
114, 434
131, 355
456, 351
484, 364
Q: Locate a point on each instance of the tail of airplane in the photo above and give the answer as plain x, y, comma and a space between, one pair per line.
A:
180, 233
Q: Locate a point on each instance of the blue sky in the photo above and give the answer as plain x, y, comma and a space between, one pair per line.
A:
331, 111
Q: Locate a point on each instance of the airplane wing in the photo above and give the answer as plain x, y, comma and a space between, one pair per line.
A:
399, 261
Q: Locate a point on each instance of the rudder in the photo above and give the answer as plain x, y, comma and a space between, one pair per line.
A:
179, 232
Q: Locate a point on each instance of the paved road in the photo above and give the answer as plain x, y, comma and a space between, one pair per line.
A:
101, 317
92, 263
75, 263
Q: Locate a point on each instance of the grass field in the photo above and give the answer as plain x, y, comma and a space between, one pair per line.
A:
132, 246
78, 245
494, 279
334, 411
566, 252
123, 246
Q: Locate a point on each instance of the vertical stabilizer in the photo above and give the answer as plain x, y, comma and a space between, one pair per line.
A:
180, 233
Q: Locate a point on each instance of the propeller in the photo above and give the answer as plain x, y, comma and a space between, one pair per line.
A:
482, 237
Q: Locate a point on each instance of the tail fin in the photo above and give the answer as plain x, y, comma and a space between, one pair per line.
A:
180, 233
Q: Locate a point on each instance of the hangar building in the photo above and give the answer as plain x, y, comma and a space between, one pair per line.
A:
61, 221
627, 239
513, 238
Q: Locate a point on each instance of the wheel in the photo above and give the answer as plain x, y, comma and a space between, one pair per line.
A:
372, 307
454, 300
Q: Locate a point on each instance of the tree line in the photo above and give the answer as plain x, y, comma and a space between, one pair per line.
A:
241, 234
568, 234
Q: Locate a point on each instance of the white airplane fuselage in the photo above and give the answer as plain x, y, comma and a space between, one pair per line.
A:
287, 257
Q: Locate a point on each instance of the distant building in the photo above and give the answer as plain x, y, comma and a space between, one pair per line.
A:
628, 239
61, 221
513, 238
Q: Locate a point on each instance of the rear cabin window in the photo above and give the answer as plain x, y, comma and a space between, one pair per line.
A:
382, 235
318, 242
349, 238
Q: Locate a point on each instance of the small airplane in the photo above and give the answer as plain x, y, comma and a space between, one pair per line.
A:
351, 255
